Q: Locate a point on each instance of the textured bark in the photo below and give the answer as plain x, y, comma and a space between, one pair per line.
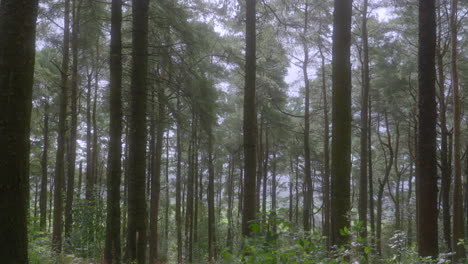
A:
250, 120
458, 224
44, 167
60, 154
17, 40
371, 177
363, 177
426, 151
341, 120
113, 245
136, 231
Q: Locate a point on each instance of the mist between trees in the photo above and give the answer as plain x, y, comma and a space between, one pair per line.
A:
269, 131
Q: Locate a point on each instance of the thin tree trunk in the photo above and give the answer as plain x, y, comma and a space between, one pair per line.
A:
445, 165
363, 177
458, 225
326, 152
178, 215
250, 120
73, 122
211, 205
156, 179
60, 154
44, 166
307, 173
89, 185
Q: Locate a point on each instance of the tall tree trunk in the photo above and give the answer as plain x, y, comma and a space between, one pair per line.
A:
371, 177
341, 120
273, 192
189, 214
44, 166
178, 214
363, 177
156, 179
230, 198
60, 154
326, 151
114, 157
73, 122
89, 185
458, 225
168, 199
427, 168
17, 51
307, 173
136, 231
265, 175
211, 205
389, 159
250, 120
445, 165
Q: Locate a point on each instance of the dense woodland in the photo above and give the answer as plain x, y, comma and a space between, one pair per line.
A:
223, 131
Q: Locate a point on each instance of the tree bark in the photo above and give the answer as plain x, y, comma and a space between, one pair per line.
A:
113, 245
44, 167
250, 120
363, 177
136, 231
307, 172
73, 122
17, 51
341, 120
60, 154
211, 205
458, 224
427, 168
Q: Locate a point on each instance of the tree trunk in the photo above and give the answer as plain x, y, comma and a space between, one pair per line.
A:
445, 165
113, 245
341, 120
307, 173
136, 233
427, 168
250, 120
363, 177
458, 225
326, 152
44, 162
211, 205
73, 122
178, 215
17, 51
156, 179
60, 154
